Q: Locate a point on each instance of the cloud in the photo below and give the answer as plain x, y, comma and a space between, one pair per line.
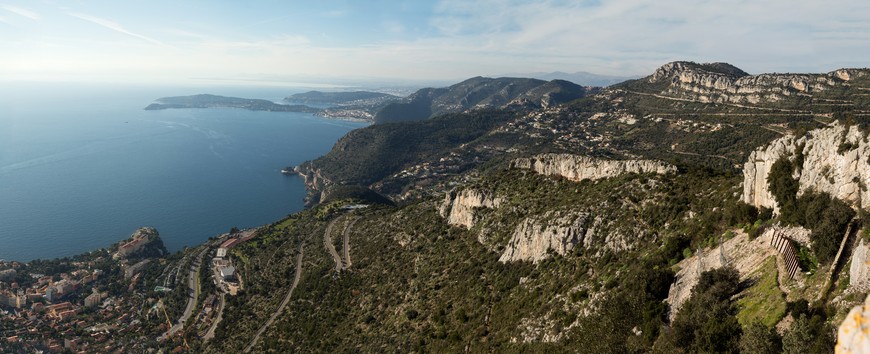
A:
21, 12
635, 36
115, 27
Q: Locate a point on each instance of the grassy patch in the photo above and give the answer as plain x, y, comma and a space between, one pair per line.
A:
763, 302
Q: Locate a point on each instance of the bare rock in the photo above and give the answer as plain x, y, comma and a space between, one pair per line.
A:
853, 335
535, 237
577, 168
459, 206
834, 160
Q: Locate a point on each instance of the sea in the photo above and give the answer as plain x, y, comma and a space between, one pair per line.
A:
84, 166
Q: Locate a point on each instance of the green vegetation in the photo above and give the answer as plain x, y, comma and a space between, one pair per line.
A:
763, 302
760, 339
706, 322
479, 92
828, 218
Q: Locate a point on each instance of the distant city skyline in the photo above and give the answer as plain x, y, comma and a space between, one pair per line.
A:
280, 41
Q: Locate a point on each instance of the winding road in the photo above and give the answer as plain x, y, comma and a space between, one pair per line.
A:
327, 243
283, 303
193, 294
346, 246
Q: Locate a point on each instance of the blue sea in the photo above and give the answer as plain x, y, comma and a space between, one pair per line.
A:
84, 166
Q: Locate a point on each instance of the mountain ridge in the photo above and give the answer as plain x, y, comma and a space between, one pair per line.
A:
480, 93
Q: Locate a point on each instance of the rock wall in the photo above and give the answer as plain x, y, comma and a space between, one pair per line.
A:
859, 270
844, 173
459, 206
534, 237
576, 167
723, 83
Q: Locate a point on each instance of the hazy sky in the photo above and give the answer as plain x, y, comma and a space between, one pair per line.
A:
179, 41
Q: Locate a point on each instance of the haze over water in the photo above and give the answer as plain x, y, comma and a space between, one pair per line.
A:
82, 167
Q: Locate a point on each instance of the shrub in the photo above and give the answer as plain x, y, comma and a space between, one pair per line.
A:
758, 339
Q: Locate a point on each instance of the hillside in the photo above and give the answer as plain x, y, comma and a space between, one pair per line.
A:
698, 209
480, 93
557, 255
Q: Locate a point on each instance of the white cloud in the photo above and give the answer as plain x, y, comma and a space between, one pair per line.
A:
467, 38
115, 27
21, 12
635, 36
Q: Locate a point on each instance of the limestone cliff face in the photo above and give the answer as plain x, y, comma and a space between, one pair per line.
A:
534, 237
459, 206
723, 83
835, 161
576, 167
859, 270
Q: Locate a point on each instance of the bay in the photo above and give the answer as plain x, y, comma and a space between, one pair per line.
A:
84, 166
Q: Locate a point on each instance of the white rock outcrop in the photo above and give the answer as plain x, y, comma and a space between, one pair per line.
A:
577, 168
844, 173
459, 206
723, 83
859, 270
535, 237
853, 335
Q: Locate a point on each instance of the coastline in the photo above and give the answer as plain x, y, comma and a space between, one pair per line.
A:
225, 177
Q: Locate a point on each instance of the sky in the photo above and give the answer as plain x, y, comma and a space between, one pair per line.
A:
316, 41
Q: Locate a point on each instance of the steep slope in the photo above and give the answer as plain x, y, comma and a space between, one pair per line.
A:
480, 93
552, 229
725, 83
834, 160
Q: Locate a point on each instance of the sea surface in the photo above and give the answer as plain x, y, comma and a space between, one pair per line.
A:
84, 166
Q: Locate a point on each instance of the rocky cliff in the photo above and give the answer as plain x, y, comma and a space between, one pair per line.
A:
832, 160
535, 237
459, 207
577, 168
724, 83
859, 270
721, 82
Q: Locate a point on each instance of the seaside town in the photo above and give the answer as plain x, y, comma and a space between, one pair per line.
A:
129, 297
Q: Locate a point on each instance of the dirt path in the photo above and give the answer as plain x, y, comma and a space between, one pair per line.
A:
283, 302
327, 243
346, 246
